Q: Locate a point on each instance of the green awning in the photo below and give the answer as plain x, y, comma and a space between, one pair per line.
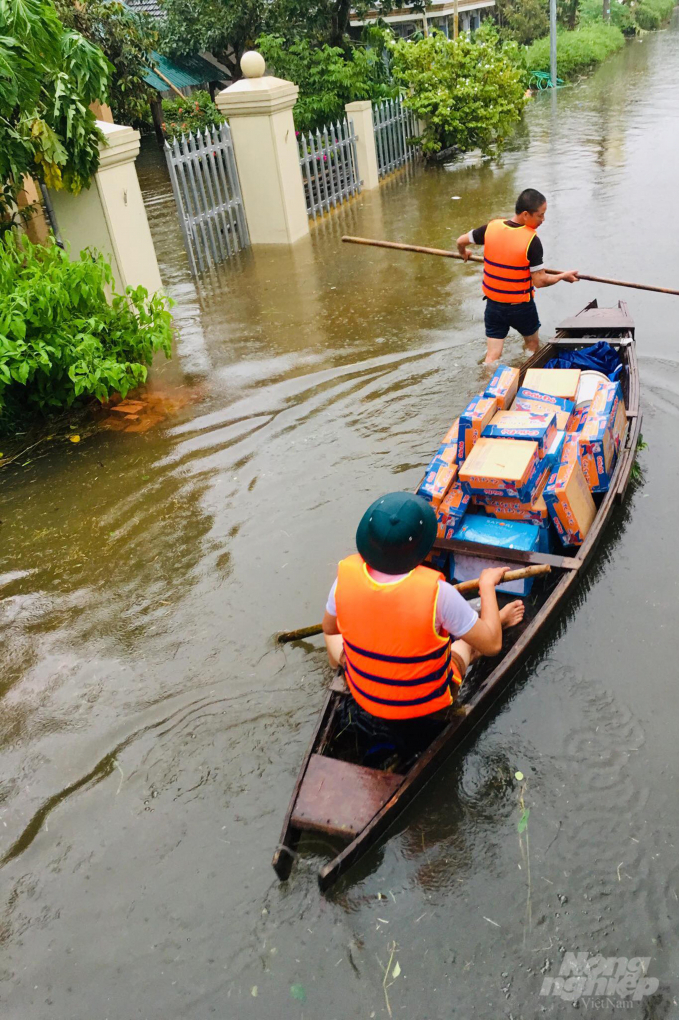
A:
183, 72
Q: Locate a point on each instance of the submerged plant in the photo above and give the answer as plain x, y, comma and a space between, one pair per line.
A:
66, 335
637, 471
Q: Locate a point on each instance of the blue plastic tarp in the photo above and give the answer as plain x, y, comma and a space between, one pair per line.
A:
601, 357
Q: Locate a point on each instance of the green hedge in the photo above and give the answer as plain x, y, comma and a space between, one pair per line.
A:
651, 14
577, 51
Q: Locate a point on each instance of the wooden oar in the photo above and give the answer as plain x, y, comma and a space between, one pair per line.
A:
478, 258
509, 575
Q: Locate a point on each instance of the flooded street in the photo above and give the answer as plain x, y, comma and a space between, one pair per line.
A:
151, 731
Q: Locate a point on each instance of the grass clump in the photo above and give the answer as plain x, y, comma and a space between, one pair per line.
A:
578, 51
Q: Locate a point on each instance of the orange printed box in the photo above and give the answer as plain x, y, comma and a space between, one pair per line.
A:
559, 382
568, 498
503, 386
452, 509
541, 428
502, 467
473, 420
540, 407
507, 508
438, 479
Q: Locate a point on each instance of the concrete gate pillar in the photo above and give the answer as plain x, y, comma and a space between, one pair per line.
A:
259, 111
110, 215
361, 113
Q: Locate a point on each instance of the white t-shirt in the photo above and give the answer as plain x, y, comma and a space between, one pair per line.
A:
453, 612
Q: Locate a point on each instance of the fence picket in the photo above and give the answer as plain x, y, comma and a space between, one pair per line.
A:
329, 166
206, 190
393, 125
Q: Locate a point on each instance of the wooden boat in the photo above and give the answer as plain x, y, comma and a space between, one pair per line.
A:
355, 804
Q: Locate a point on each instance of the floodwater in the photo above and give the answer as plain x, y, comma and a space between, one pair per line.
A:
151, 732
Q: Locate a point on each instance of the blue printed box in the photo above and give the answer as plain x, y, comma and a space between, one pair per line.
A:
525, 393
541, 428
476, 415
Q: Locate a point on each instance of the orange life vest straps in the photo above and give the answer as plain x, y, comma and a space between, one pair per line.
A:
506, 269
397, 666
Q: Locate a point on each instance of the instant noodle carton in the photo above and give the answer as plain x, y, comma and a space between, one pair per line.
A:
502, 467
439, 476
568, 498
559, 382
540, 406
555, 403
601, 435
553, 455
503, 386
450, 438
473, 420
507, 508
578, 419
451, 510
540, 428
486, 531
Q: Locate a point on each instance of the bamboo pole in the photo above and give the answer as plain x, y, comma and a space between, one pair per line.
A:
444, 253
509, 575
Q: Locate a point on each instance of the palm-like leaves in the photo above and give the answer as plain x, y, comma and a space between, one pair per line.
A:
48, 78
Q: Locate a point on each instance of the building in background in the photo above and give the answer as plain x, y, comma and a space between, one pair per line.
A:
439, 14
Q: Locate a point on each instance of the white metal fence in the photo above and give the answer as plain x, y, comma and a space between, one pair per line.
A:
329, 167
394, 125
207, 192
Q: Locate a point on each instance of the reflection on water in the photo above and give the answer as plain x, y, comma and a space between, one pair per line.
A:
151, 730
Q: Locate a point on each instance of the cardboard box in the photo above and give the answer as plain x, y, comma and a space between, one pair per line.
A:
450, 438
556, 403
503, 386
437, 560
439, 476
559, 382
488, 531
568, 498
502, 467
539, 407
578, 419
541, 428
451, 510
601, 435
506, 508
473, 420
553, 455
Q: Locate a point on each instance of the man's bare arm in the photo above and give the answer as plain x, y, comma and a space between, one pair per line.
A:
541, 278
462, 242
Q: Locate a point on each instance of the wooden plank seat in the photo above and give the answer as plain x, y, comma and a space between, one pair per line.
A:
339, 798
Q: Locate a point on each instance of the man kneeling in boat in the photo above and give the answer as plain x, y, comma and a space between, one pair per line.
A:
404, 636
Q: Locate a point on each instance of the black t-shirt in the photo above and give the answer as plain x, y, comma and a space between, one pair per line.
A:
535, 252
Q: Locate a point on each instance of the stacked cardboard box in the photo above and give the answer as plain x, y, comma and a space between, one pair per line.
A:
503, 386
601, 435
538, 427
473, 420
568, 498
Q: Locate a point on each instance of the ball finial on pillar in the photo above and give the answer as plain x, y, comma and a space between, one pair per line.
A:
252, 64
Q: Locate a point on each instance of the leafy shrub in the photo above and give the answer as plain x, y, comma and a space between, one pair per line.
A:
195, 113
651, 14
622, 14
469, 94
61, 339
328, 77
577, 51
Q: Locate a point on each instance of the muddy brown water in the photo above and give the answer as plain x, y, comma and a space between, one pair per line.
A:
150, 731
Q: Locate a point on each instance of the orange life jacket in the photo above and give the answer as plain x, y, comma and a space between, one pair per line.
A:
397, 666
506, 269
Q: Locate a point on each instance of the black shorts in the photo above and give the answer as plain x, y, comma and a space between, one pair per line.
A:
500, 317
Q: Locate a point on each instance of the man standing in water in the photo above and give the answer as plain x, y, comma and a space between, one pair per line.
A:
513, 267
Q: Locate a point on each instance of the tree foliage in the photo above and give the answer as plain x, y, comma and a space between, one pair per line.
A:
523, 20
61, 339
195, 113
469, 94
127, 39
48, 77
228, 27
328, 77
